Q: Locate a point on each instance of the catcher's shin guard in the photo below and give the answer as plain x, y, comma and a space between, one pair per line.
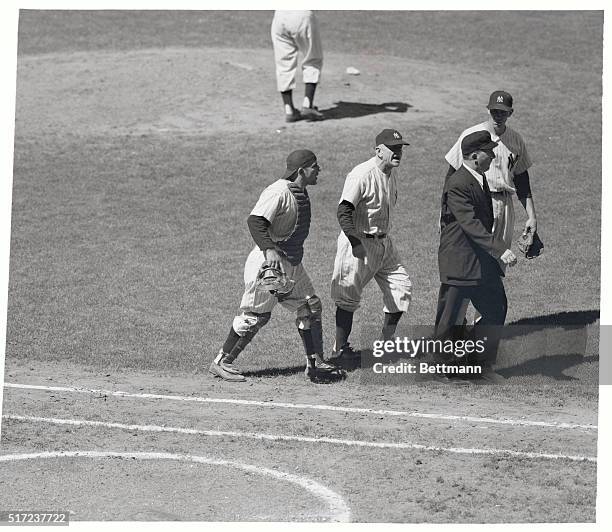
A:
246, 327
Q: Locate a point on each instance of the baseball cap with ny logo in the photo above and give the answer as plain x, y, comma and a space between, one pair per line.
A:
500, 100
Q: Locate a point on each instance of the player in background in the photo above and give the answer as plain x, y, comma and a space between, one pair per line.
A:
365, 250
508, 174
293, 32
279, 224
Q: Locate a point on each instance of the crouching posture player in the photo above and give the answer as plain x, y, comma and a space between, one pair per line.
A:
279, 224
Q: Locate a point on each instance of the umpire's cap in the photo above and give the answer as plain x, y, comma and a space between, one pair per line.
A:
298, 159
479, 140
501, 100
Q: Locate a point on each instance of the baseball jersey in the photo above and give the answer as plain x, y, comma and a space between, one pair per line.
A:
511, 156
374, 195
278, 205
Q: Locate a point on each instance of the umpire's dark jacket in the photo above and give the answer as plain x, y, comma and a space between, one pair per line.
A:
468, 253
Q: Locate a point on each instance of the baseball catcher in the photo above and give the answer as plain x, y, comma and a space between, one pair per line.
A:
279, 224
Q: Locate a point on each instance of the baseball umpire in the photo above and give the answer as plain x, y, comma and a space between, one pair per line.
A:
365, 249
279, 224
470, 256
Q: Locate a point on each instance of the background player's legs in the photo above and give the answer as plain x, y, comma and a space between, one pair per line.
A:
308, 41
285, 57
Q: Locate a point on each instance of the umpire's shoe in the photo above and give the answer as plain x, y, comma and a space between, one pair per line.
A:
223, 368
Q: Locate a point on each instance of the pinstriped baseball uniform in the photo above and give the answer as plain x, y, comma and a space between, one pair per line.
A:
292, 31
511, 157
278, 205
374, 196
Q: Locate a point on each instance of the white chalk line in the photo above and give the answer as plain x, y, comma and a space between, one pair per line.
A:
304, 439
338, 508
304, 406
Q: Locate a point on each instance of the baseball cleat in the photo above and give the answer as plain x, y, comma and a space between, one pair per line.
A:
321, 364
319, 371
219, 370
346, 353
312, 114
295, 116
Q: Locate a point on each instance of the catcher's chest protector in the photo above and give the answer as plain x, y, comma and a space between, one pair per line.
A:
294, 245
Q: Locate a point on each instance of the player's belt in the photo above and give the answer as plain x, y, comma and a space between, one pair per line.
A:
377, 236
499, 191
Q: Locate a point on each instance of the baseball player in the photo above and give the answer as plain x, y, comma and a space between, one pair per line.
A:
293, 32
507, 175
279, 224
365, 249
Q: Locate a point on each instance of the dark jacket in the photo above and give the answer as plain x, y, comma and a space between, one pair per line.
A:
468, 253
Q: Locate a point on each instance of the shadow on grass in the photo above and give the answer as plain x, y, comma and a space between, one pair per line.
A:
356, 109
274, 372
321, 378
548, 366
568, 320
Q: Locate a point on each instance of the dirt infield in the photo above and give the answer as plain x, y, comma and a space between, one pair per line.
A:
185, 92
430, 467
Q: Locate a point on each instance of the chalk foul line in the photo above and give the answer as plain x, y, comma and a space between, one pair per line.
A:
305, 406
305, 439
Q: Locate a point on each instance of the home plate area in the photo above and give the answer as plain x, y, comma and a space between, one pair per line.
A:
120, 455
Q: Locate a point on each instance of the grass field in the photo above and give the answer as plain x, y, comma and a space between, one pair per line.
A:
142, 141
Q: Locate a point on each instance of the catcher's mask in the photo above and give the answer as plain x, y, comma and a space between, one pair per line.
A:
274, 281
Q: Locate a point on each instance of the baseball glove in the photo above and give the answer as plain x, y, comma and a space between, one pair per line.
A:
273, 280
530, 245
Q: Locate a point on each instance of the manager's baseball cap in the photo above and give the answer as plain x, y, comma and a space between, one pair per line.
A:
298, 159
500, 100
390, 137
479, 140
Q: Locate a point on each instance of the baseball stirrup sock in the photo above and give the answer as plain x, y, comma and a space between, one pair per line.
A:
344, 326
390, 324
242, 342
309, 92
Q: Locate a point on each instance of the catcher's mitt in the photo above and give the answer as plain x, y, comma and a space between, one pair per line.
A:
530, 245
273, 280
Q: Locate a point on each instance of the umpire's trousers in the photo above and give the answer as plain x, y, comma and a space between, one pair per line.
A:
489, 299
